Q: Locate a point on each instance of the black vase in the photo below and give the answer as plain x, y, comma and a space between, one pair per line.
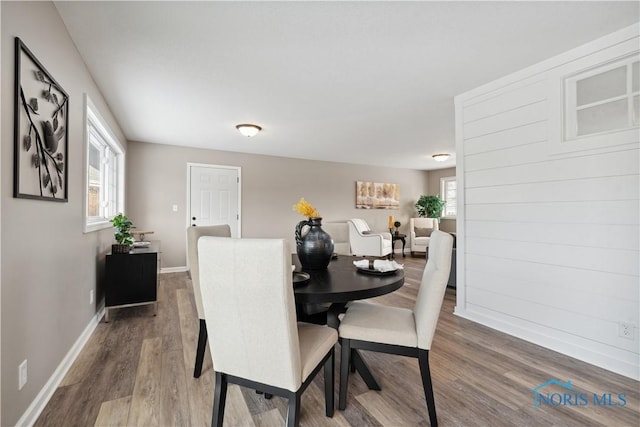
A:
315, 248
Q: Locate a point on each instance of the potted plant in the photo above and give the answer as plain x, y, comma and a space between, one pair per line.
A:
430, 206
123, 235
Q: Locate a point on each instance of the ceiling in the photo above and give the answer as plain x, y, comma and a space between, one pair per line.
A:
358, 82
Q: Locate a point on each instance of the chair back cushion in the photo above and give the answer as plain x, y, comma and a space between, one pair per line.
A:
415, 223
433, 287
423, 232
360, 225
193, 234
248, 301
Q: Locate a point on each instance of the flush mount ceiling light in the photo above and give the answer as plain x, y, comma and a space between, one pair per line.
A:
248, 129
441, 157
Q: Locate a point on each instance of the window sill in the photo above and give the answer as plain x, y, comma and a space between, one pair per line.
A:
97, 226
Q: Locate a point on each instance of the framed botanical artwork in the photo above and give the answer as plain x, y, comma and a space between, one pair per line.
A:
377, 195
41, 140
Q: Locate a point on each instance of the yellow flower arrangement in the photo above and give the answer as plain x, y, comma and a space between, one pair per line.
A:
304, 208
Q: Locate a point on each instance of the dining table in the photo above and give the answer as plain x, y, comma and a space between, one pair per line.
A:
337, 285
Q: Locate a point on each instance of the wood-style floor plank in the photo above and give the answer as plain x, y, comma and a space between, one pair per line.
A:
271, 417
114, 413
145, 401
236, 412
385, 412
137, 370
174, 399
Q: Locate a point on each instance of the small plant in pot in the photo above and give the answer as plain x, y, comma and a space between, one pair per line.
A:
123, 235
430, 206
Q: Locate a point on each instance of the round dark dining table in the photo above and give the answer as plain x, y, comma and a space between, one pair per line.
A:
339, 284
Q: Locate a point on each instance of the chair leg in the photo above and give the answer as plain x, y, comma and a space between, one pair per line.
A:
364, 371
219, 399
293, 411
202, 343
329, 367
345, 360
425, 372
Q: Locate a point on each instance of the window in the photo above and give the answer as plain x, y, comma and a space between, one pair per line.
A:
104, 195
603, 99
448, 190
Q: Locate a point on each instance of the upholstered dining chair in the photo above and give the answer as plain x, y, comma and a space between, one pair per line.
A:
193, 234
400, 331
256, 341
366, 243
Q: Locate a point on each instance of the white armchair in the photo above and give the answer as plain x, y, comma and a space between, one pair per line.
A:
420, 230
365, 243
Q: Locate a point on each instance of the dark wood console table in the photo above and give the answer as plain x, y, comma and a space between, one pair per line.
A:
132, 278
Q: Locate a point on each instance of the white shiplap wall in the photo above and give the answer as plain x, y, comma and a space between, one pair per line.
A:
548, 231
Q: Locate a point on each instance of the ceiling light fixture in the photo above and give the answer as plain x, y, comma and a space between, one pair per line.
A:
248, 130
441, 157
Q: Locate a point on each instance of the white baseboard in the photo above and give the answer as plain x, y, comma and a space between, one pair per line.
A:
599, 358
37, 406
173, 270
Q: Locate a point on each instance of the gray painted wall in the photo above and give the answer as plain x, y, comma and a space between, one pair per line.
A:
157, 179
48, 264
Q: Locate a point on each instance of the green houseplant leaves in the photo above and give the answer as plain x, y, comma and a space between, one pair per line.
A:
123, 225
430, 206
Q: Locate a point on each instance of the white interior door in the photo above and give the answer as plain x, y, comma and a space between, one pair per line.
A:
214, 196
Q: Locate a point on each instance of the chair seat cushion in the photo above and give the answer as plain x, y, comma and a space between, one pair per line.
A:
377, 323
315, 342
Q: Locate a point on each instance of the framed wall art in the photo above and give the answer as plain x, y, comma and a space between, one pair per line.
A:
41, 140
377, 195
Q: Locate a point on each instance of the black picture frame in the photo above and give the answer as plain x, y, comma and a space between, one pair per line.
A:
41, 137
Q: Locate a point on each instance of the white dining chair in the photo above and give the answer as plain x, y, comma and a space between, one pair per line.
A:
193, 234
255, 339
400, 331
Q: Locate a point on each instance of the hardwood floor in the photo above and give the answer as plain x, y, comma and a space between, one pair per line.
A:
137, 371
